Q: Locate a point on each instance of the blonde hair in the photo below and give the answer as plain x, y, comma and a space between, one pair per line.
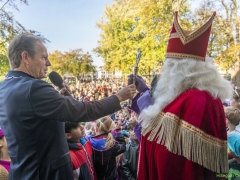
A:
105, 125
233, 115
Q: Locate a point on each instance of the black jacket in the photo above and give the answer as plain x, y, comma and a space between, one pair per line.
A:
105, 160
129, 162
32, 113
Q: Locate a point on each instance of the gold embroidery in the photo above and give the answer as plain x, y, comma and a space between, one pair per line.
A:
188, 36
181, 56
174, 35
184, 139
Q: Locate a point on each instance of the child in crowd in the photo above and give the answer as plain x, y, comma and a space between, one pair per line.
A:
118, 129
81, 154
234, 146
88, 128
130, 159
235, 101
4, 156
132, 123
106, 148
232, 119
93, 128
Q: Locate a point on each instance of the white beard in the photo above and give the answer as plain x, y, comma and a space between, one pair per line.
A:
177, 76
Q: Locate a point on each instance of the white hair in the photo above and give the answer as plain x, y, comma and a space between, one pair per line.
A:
178, 76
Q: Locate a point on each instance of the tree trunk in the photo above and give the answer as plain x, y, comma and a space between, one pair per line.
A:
235, 74
235, 71
236, 20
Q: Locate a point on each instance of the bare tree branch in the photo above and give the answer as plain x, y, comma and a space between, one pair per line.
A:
4, 4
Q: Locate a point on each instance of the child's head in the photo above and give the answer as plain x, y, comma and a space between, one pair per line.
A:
235, 100
232, 115
74, 131
234, 144
106, 125
118, 123
88, 128
88, 125
132, 122
133, 136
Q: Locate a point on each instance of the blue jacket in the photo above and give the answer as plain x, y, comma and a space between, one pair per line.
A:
32, 113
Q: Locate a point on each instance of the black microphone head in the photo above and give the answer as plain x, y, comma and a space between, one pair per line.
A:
56, 79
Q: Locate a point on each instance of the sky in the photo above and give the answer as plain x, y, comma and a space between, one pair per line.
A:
68, 24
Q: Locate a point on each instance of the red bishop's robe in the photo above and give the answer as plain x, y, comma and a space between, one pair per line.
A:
187, 141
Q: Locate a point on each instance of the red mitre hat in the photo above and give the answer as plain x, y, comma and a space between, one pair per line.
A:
189, 44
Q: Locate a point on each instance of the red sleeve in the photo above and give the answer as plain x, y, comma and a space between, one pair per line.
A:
78, 157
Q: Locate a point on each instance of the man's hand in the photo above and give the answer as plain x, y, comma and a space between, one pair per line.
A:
62, 91
140, 84
126, 93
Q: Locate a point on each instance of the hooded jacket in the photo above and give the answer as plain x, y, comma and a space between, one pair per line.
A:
104, 160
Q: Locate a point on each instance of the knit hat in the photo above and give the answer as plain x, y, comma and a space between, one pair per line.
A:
234, 143
1, 133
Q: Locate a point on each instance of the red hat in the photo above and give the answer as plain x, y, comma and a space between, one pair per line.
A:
189, 44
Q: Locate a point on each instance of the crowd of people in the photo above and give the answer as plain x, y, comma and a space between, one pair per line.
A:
108, 148
114, 135
174, 129
121, 125
92, 90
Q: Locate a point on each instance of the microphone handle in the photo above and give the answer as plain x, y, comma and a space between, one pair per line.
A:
67, 93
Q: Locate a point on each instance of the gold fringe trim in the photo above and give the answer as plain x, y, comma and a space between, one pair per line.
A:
186, 140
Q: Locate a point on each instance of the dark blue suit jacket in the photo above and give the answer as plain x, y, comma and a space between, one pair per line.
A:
32, 113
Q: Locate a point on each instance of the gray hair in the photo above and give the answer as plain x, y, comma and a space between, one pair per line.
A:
19, 44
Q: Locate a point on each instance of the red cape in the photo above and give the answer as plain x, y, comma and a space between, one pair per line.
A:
187, 141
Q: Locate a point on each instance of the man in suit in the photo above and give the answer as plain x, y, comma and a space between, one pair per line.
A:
32, 114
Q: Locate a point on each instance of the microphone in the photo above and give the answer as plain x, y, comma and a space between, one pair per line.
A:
57, 80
